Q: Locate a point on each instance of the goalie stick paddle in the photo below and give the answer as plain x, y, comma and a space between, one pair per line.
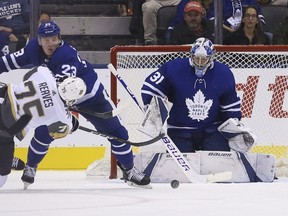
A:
178, 157
137, 144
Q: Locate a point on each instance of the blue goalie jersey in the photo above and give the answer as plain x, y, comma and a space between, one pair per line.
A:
198, 103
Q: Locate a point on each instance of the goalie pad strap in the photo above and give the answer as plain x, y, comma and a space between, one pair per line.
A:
249, 169
152, 164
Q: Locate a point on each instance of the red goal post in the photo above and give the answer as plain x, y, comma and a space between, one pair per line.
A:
261, 74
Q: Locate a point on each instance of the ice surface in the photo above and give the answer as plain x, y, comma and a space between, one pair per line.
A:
72, 193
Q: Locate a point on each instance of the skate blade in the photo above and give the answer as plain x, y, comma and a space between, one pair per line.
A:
132, 184
26, 185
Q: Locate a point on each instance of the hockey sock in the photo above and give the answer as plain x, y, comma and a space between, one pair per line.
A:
122, 151
39, 146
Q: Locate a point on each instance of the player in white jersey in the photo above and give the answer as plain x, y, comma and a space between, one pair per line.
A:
38, 98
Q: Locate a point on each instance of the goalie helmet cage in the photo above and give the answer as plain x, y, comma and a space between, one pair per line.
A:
261, 81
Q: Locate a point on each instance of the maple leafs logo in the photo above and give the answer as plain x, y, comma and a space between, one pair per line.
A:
199, 108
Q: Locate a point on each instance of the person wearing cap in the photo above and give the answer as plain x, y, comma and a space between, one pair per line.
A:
194, 26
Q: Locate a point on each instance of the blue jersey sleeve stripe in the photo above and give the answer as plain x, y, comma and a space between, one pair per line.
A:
232, 110
14, 61
6, 63
231, 105
154, 89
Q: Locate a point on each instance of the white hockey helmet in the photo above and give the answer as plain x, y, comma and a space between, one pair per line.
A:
71, 89
202, 55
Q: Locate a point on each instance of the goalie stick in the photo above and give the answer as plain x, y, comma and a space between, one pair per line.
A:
137, 144
182, 162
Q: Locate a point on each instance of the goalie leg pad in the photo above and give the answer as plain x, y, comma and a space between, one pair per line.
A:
163, 168
257, 167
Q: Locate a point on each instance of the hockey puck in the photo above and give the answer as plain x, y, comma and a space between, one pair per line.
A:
175, 184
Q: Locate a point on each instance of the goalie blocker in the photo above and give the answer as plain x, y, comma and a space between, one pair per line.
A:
162, 168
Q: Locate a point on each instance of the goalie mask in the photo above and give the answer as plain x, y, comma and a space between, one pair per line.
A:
71, 89
202, 55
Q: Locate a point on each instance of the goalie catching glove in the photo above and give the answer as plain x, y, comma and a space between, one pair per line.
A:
240, 138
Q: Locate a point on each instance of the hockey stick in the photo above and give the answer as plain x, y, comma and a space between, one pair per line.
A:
190, 173
138, 144
104, 115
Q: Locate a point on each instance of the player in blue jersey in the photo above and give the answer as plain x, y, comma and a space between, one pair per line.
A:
63, 60
203, 94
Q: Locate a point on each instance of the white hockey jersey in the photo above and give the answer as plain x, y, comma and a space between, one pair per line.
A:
37, 96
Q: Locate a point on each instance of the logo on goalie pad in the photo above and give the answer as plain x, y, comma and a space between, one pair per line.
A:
219, 154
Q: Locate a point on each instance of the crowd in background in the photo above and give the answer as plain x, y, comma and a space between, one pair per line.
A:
242, 22
195, 18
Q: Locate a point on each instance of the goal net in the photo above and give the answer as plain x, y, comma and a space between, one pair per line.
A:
261, 80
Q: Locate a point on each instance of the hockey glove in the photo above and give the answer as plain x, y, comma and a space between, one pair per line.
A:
240, 138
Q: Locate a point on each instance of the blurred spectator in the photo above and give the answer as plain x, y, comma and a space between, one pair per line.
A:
180, 11
4, 42
14, 20
280, 33
44, 17
264, 2
150, 9
136, 24
250, 31
233, 13
194, 26
126, 9
279, 2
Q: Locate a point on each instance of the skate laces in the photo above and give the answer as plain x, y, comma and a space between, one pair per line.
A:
135, 174
29, 171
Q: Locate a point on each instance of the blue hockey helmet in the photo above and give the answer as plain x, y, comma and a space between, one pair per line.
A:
202, 55
47, 29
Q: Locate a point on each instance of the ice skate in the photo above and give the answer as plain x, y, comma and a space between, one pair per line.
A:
28, 176
17, 164
135, 178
